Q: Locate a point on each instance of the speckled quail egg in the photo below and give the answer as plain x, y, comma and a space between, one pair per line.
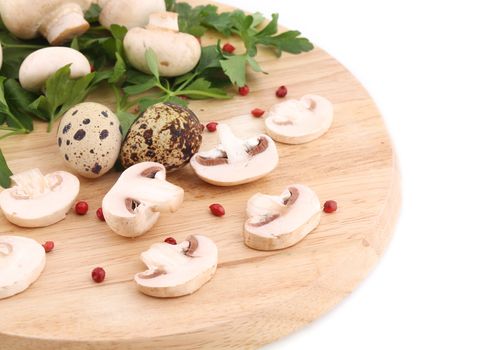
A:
165, 133
89, 138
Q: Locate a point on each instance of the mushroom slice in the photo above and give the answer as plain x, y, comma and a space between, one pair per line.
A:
278, 222
134, 203
22, 260
236, 161
299, 121
177, 270
177, 53
37, 200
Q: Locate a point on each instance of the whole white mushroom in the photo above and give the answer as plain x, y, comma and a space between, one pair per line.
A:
128, 13
41, 64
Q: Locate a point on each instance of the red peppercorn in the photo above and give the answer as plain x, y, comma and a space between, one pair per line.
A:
170, 240
48, 246
257, 112
81, 208
98, 275
99, 214
92, 68
244, 90
228, 48
330, 207
212, 127
282, 92
217, 210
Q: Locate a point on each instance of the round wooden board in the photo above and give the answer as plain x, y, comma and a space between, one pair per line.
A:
255, 297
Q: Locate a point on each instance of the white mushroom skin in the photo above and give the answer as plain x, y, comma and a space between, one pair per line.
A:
128, 13
177, 53
278, 222
22, 260
41, 64
299, 121
134, 203
177, 270
57, 20
236, 161
37, 200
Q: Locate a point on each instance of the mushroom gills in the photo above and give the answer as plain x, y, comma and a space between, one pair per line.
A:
177, 270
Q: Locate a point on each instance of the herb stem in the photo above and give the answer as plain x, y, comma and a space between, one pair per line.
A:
22, 46
187, 82
201, 93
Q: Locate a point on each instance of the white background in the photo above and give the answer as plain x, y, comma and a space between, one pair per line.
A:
423, 62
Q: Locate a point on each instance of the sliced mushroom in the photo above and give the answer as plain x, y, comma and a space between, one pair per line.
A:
236, 161
41, 64
134, 203
22, 260
299, 121
177, 270
278, 222
128, 13
177, 53
37, 200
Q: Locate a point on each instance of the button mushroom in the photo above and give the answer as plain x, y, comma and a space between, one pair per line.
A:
128, 13
57, 20
37, 200
299, 121
22, 260
277, 222
41, 64
177, 53
236, 161
134, 203
177, 270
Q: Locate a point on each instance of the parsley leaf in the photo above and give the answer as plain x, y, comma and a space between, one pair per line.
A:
9, 122
5, 172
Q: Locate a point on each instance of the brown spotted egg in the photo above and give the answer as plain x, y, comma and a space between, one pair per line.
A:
89, 138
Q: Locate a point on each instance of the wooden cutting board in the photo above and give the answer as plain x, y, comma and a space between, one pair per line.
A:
255, 297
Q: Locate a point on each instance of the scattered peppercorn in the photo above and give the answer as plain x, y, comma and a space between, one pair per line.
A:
330, 207
81, 208
217, 210
170, 240
48, 246
98, 274
257, 112
282, 92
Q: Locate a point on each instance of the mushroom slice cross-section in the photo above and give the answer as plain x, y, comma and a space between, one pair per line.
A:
22, 260
37, 200
235, 161
177, 270
134, 203
278, 222
299, 121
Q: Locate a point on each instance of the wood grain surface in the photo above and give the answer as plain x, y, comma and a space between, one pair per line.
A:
255, 297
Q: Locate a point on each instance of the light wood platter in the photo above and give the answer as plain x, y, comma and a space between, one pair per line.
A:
255, 297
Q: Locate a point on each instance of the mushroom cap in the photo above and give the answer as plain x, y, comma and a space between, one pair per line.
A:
177, 53
37, 200
248, 166
280, 222
299, 121
22, 260
134, 203
128, 13
176, 270
41, 64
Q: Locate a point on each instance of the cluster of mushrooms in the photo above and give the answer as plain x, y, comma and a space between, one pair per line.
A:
164, 138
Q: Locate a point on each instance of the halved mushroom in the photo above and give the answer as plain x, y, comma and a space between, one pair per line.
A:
22, 260
177, 270
134, 203
37, 200
236, 161
41, 64
128, 13
277, 222
299, 121
177, 53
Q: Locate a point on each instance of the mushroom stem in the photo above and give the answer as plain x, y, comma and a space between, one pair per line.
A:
5, 248
234, 147
164, 20
66, 22
30, 184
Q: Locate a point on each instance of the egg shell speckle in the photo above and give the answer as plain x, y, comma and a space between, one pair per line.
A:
165, 133
89, 139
